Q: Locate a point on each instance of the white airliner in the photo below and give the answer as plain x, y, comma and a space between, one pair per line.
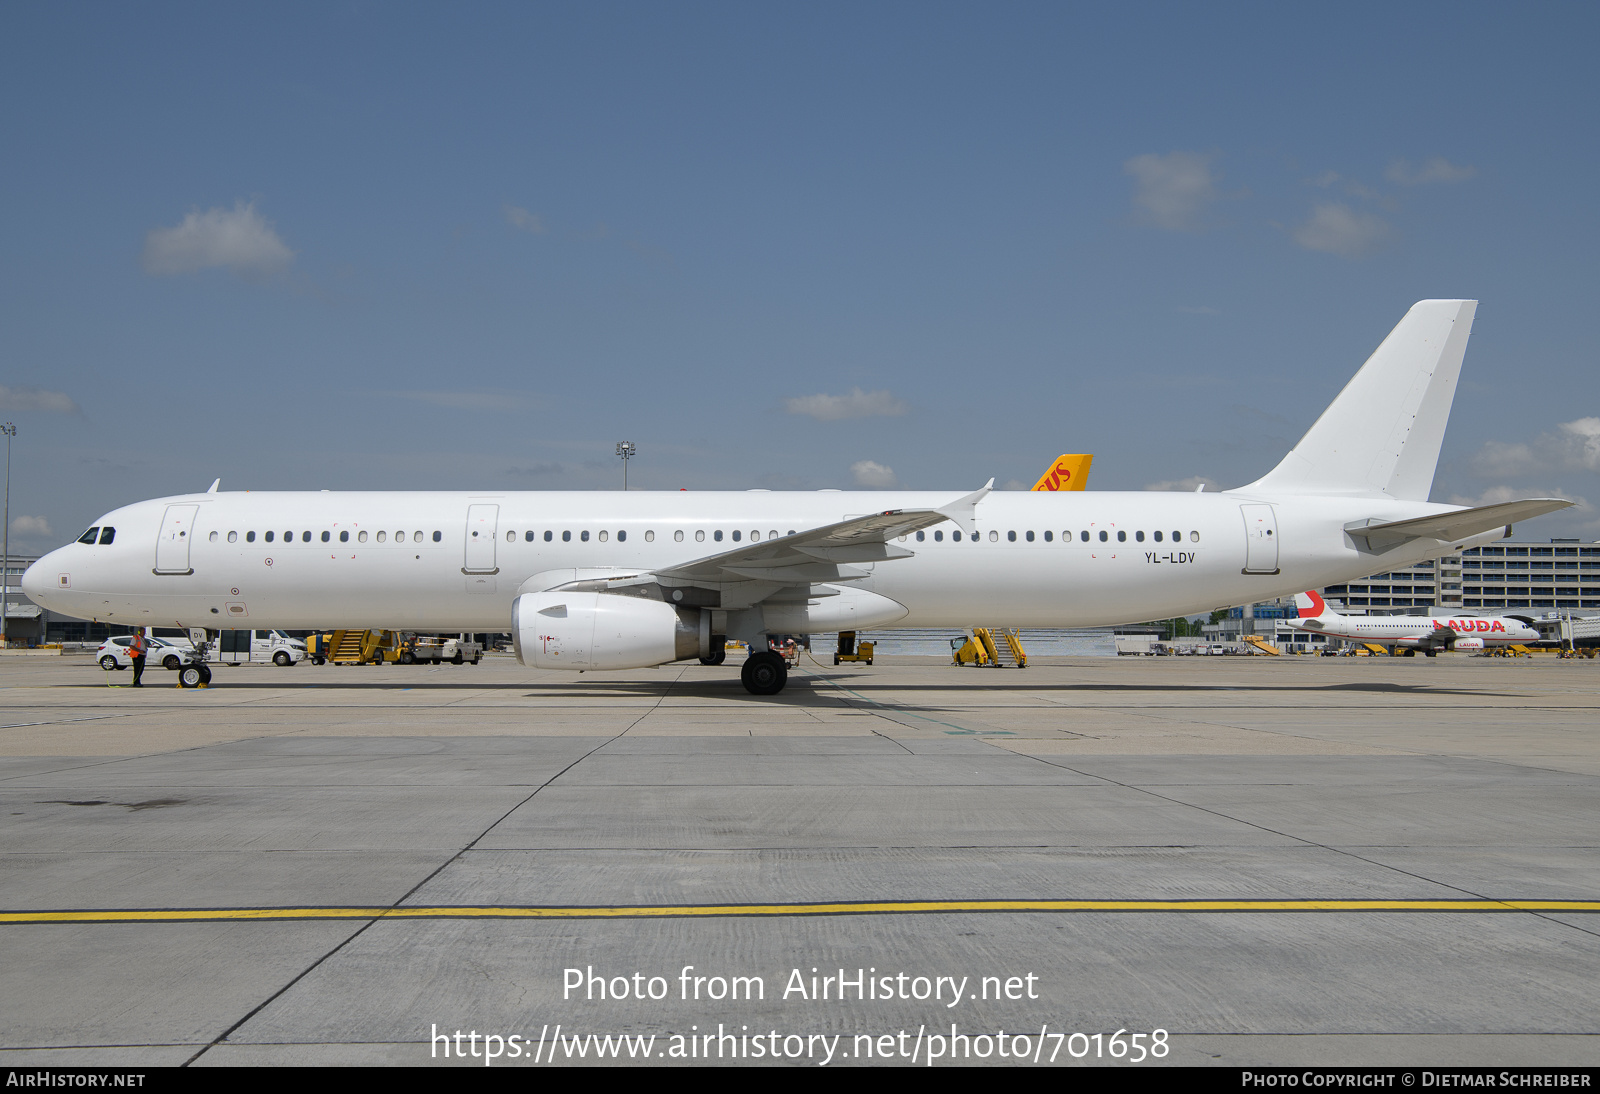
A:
1430, 634
628, 580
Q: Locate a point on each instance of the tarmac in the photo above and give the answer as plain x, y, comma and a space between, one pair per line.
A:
1273, 861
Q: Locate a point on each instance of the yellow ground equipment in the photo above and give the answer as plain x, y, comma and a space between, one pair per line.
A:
992, 646
1375, 649
851, 650
354, 647
1262, 645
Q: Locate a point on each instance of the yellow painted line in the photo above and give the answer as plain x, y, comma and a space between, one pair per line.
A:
721, 911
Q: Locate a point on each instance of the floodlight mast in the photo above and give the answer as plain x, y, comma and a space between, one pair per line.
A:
626, 449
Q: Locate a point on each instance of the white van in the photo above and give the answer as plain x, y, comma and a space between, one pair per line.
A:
236, 647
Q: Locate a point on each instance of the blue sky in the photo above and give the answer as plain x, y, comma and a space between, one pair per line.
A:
362, 246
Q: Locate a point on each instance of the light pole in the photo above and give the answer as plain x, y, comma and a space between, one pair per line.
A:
5, 568
626, 449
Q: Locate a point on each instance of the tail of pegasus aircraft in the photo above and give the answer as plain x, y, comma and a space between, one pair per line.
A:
1069, 472
1380, 438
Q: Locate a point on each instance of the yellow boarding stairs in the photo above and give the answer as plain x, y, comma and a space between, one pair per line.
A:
1262, 645
995, 647
1375, 649
359, 647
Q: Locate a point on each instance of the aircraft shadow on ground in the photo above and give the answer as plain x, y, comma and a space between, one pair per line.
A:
818, 686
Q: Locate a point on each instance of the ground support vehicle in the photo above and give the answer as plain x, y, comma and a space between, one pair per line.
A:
426, 648
113, 653
354, 647
851, 650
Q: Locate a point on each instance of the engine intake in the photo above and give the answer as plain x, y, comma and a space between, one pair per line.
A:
588, 630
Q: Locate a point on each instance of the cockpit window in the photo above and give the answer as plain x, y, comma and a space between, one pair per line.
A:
88, 537
107, 534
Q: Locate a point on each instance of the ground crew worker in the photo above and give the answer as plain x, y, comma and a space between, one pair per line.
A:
136, 652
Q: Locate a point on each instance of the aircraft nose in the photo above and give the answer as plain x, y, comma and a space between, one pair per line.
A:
41, 579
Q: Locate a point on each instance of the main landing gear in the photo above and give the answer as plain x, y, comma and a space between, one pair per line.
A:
764, 673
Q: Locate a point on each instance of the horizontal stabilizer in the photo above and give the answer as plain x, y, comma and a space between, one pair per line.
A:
1460, 525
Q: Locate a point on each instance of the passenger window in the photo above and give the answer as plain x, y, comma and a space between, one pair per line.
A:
511, 537
437, 536
361, 537
382, 536
566, 536
1011, 537
326, 537
773, 534
249, 537
1157, 535
288, 537
1177, 537
1029, 536
938, 537
416, 537
649, 537
1049, 537
1139, 537
548, 536
1103, 536
268, 537
344, 537
700, 536
89, 536
736, 534
212, 537
305, 537
233, 537
1122, 537
528, 536
955, 537
584, 535
791, 532
717, 535
677, 537
921, 536
604, 535
1194, 537
1084, 536
622, 537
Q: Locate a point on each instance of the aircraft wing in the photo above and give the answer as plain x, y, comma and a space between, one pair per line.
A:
1462, 524
825, 553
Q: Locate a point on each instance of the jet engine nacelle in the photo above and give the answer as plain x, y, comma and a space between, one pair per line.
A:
849, 610
586, 630
1467, 644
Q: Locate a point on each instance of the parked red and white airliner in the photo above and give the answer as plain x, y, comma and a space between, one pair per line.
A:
1427, 633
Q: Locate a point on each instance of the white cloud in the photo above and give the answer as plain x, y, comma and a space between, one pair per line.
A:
868, 473
526, 221
1433, 169
30, 526
1573, 446
857, 404
1339, 229
1172, 191
36, 398
1189, 485
238, 239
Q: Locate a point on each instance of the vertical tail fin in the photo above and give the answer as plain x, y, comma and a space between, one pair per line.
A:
1381, 436
1312, 606
1069, 472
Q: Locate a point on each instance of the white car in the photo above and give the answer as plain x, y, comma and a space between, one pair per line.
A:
158, 651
